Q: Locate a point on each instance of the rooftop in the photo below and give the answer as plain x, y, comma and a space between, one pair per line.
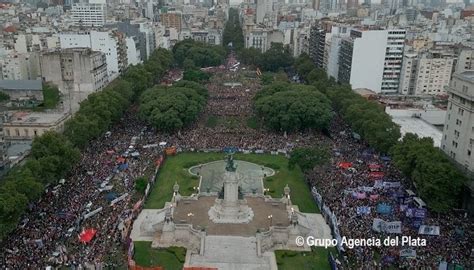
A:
21, 85
35, 118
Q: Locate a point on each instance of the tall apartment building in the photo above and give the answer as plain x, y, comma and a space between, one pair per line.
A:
426, 73
317, 43
458, 133
333, 46
112, 43
93, 13
375, 58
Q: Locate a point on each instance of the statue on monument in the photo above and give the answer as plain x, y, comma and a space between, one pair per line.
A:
230, 167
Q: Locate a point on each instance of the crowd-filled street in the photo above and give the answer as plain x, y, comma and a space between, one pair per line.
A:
98, 196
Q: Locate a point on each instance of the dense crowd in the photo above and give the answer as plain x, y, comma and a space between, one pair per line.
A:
347, 187
49, 232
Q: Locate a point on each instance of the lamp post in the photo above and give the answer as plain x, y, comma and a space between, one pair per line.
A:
191, 215
270, 217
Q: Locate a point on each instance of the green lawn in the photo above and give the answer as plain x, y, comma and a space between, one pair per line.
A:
176, 168
314, 260
170, 258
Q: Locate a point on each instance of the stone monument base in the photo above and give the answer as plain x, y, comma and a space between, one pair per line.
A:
220, 212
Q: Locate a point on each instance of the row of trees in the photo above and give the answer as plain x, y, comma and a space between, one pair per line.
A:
53, 155
233, 31
291, 107
193, 54
367, 118
435, 178
437, 181
277, 57
171, 108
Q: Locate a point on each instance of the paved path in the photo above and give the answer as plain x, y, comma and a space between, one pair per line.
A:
232, 253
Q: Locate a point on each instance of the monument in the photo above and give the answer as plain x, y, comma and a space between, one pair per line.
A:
230, 208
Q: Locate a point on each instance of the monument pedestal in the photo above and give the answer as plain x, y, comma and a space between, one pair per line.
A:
230, 209
222, 212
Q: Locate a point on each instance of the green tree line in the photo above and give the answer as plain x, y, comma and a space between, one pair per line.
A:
438, 182
53, 155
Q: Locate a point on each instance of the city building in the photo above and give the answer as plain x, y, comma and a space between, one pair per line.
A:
458, 133
23, 92
79, 70
317, 42
28, 125
465, 61
372, 59
112, 43
19, 66
93, 13
426, 73
171, 20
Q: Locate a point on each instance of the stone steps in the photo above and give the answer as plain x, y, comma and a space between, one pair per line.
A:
231, 253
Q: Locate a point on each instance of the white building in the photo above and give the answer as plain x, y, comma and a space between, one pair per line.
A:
93, 13
458, 133
372, 59
24, 66
333, 45
77, 72
133, 52
426, 73
112, 44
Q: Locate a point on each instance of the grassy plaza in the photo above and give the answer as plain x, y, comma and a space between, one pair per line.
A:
175, 169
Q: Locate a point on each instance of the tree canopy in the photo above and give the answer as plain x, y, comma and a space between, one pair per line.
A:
53, 155
290, 107
171, 108
437, 181
201, 54
233, 31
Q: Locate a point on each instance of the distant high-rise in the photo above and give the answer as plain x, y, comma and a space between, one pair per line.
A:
317, 42
92, 13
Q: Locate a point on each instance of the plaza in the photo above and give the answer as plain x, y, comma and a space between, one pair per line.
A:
188, 221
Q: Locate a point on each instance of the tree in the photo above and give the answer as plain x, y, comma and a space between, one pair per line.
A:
12, 206
140, 185
250, 56
171, 108
196, 75
436, 180
201, 54
4, 97
308, 158
233, 31
141, 78
278, 56
56, 156
288, 107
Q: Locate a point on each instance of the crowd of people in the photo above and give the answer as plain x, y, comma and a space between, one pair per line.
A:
104, 179
49, 233
350, 183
